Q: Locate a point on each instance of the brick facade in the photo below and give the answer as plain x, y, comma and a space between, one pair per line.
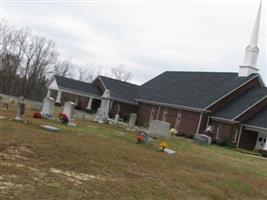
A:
224, 131
124, 109
188, 124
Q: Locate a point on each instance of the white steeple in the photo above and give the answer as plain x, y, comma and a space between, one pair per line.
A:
250, 61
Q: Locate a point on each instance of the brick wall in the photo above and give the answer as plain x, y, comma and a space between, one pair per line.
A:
188, 124
125, 109
227, 131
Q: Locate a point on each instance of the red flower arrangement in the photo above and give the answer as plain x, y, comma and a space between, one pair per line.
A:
140, 138
63, 118
37, 115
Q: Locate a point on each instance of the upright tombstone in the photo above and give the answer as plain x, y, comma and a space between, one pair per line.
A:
117, 117
159, 129
69, 111
20, 108
202, 139
132, 121
102, 112
48, 107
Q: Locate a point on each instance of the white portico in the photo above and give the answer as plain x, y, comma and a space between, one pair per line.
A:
80, 92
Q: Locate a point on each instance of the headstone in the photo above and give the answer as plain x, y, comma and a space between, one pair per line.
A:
50, 128
202, 139
143, 137
20, 108
132, 121
5, 106
36, 106
159, 129
102, 112
116, 120
69, 111
48, 107
169, 151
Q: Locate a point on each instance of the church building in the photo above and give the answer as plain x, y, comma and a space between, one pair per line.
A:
233, 106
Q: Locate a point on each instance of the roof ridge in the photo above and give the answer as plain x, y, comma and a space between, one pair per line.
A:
101, 76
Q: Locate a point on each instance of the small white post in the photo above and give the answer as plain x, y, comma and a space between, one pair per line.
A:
59, 94
89, 105
48, 93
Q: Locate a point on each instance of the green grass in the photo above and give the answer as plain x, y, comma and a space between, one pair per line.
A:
98, 162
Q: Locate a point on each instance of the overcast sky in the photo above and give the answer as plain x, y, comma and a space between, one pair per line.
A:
147, 37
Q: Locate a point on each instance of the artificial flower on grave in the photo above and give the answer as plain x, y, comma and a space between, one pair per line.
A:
140, 138
173, 131
164, 145
37, 115
63, 118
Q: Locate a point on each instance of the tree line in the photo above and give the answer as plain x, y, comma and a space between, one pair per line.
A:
28, 61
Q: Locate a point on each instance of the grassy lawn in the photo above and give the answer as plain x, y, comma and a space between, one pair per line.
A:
93, 161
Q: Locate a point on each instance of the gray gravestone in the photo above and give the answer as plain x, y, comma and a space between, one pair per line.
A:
159, 129
48, 107
202, 139
102, 112
69, 111
132, 121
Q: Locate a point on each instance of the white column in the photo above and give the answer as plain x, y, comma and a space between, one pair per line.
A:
89, 105
48, 93
59, 94
77, 101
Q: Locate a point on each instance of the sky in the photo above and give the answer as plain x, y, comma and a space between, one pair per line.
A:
146, 37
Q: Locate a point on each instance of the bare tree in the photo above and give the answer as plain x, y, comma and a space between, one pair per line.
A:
88, 74
63, 68
121, 74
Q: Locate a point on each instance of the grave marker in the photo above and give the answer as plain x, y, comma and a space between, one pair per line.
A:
159, 129
48, 107
132, 121
69, 111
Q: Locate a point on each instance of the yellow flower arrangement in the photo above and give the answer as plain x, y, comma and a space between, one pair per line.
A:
164, 145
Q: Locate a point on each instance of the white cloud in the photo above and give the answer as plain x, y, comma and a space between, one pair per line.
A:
148, 37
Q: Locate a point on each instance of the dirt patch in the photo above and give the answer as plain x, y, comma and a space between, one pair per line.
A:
76, 177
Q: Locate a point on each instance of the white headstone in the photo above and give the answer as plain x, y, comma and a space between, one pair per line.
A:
102, 113
116, 120
132, 121
159, 129
69, 111
48, 107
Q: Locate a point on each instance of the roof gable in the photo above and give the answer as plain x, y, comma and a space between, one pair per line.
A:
79, 86
242, 103
259, 119
192, 89
120, 90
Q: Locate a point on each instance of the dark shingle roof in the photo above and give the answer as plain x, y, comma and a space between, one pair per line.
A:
259, 119
191, 89
120, 89
71, 84
242, 103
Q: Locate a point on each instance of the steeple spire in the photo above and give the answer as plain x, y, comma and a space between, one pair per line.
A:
256, 28
252, 50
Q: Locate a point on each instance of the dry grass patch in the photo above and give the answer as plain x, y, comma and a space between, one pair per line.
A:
93, 161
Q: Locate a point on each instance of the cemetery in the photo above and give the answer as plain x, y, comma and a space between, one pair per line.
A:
92, 158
